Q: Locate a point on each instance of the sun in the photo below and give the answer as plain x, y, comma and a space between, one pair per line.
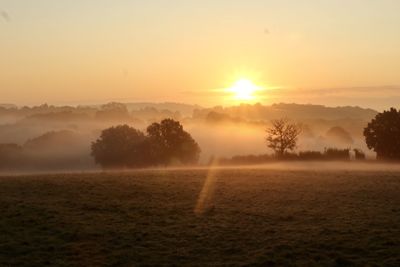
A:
244, 90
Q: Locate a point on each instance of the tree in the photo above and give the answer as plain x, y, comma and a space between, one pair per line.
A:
282, 136
169, 142
125, 147
382, 134
120, 147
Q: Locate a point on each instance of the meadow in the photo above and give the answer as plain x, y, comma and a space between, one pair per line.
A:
200, 217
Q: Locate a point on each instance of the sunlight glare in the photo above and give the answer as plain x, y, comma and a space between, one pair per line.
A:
244, 89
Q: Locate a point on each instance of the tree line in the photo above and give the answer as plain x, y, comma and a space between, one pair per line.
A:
166, 142
382, 135
329, 154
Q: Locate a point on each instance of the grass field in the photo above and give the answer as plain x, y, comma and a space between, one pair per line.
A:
236, 217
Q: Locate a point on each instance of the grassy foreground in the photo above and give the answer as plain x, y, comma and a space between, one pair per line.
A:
245, 217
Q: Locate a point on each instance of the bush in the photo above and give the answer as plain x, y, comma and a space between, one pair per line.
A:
310, 155
337, 154
359, 154
329, 154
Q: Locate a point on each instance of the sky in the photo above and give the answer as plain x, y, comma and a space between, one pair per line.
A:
342, 52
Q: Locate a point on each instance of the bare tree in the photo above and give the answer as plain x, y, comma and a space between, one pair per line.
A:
282, 136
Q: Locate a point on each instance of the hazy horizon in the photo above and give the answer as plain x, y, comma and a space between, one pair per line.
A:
151, 103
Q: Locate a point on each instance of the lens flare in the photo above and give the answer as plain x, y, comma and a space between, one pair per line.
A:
204, 201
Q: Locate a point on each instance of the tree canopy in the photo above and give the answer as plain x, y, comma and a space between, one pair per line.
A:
119, 146
382, 134
169, 142
126, 147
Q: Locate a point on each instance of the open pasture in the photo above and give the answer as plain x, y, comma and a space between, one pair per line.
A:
222, 217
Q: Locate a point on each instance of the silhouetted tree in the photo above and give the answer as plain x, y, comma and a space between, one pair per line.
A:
282, 136
169, 142
383, 134
119, 147
165, 142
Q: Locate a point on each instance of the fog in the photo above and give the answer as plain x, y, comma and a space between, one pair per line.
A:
311, 166
228, 139
49, 138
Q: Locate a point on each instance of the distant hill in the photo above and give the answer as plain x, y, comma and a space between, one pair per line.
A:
243, 112
258, 112
318, 111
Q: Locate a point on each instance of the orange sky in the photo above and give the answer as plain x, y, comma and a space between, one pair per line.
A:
71, 52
